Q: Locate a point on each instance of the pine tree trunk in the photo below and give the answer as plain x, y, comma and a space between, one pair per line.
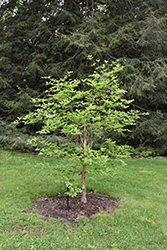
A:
83, 198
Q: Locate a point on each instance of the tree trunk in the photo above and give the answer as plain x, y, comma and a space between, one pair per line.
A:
83, 198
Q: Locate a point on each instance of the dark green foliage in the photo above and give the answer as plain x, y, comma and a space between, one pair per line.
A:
13, 139
48, 38
16, 139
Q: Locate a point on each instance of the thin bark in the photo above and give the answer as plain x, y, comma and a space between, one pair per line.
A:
83, 198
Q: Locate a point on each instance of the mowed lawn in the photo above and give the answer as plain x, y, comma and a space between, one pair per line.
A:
140, 222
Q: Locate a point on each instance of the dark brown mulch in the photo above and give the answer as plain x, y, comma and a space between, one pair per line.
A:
56, 206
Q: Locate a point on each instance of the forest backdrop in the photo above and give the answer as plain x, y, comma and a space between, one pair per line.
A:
40, 38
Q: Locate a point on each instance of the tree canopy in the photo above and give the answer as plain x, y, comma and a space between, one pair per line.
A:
83, 117
48, 38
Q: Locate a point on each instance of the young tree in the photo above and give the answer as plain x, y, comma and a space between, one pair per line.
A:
84, 111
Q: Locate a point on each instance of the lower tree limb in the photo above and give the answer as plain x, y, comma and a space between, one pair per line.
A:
83, 198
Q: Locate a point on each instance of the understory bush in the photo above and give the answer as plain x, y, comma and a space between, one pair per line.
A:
12, 138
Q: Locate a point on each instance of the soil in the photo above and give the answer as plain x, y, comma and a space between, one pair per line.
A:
56, 206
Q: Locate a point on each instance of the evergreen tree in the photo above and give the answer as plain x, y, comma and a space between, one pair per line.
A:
48, 38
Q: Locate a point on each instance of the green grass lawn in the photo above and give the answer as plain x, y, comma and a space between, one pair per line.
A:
140, 222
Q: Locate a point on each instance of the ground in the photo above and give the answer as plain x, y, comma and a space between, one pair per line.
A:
56, 206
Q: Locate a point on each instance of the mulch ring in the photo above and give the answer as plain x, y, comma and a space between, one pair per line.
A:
56, 206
